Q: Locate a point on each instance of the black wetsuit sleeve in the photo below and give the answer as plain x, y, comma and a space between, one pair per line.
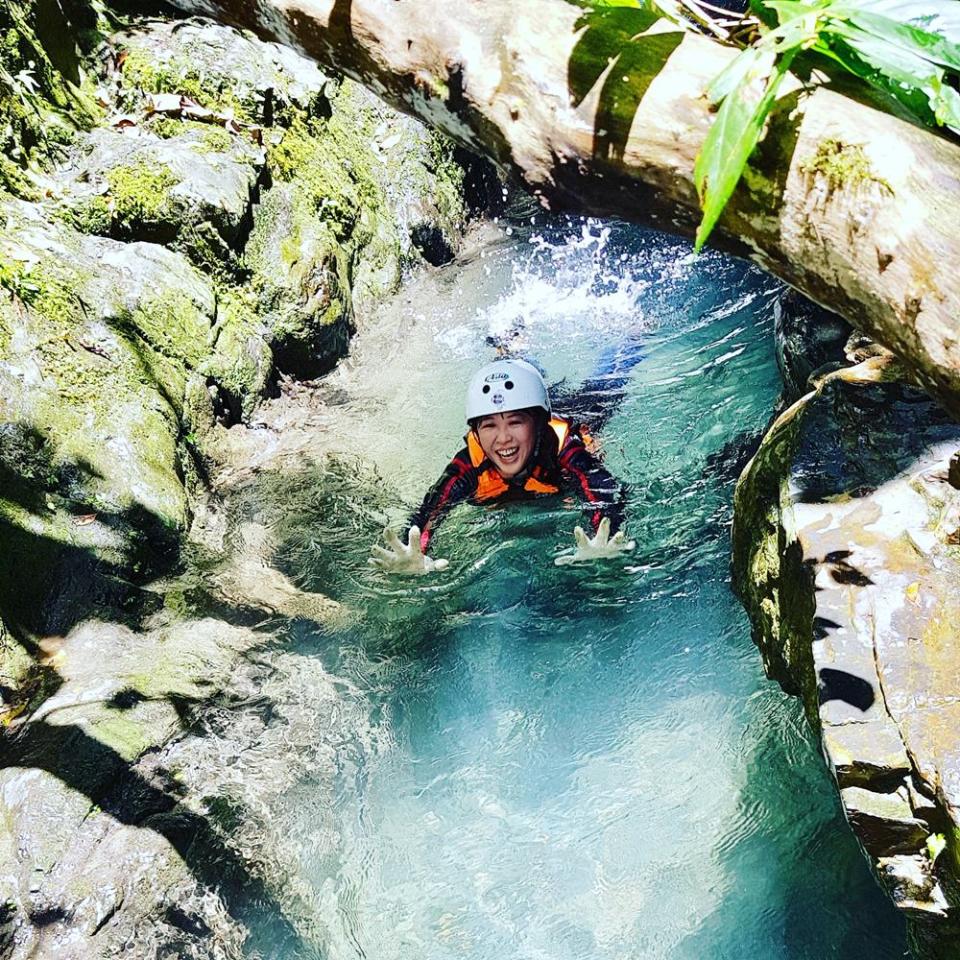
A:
457, 483
603, 493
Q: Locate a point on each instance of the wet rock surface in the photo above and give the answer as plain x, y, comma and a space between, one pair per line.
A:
846, 557
101, 341
807, 337
130, 827
136, 184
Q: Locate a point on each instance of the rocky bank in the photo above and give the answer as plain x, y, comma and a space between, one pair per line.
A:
847, 557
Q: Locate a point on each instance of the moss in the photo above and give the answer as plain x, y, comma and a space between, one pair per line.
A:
215, 140
768, 571
16, 665
138, 199
329, 161
45, 96
173, 326
241, 363
447, 179
151, 75
204, 246
842, 166
166, 127
212, 138
94, 216
90, 391
302, 157
124, 735
139, 193
15, 278
6, 327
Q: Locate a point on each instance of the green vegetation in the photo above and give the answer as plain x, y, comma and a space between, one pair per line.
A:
842, 165
213, 138
902, 49
45, 95
327, 170
149, 75
139, 193
138, 196
909, 50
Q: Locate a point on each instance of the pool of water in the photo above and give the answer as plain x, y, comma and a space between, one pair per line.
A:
541, 762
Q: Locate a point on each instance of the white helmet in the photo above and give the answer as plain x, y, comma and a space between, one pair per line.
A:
506, 385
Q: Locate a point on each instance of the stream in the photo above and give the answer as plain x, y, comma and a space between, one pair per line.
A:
530, 761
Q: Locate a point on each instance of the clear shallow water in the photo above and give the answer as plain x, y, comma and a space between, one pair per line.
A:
557, 763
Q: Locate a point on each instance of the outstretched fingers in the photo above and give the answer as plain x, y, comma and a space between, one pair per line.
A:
603, 533
413, 540
392, 540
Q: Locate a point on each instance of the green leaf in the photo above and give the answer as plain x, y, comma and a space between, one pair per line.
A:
751, 62
919, 29
789, 9
902, 73
732, 138
762, 12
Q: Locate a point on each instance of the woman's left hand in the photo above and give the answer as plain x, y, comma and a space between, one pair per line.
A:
599, 548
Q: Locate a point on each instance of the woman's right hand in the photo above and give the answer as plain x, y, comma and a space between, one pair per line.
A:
407, 559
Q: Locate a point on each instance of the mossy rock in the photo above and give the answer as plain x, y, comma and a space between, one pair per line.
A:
45, 94
102, 340
220, 68
300, 272
354, 194
165, 190
241, 362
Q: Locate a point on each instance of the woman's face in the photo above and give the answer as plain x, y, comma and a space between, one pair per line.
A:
508, 440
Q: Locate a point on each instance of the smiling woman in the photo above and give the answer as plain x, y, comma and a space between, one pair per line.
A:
515, 450
508, 439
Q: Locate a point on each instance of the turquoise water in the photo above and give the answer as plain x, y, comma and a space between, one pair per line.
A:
546, 763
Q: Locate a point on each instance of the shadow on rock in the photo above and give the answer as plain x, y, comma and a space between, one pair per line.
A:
107, 780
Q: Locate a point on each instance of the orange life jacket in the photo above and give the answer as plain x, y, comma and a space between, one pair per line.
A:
490, 484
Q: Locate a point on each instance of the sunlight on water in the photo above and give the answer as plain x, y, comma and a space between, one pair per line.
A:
558, 763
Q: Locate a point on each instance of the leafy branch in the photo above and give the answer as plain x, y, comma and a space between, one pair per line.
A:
908, 49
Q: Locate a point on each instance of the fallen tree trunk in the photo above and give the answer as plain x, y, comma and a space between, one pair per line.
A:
602, 112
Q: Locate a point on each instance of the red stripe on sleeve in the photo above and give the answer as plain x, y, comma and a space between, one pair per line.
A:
584, 482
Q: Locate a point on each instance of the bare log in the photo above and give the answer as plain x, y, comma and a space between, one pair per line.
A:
604, 112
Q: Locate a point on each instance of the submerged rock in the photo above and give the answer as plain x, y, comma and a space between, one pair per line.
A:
846, 557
